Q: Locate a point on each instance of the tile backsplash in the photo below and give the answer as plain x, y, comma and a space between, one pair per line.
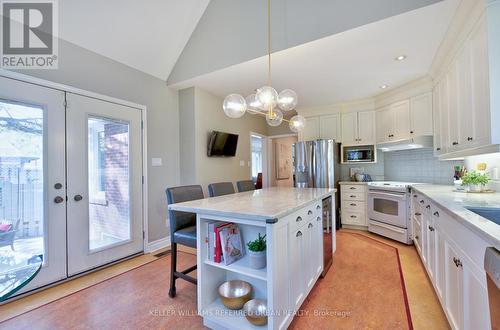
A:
418, 165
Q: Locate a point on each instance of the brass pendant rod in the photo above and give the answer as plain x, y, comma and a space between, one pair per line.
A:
269, 51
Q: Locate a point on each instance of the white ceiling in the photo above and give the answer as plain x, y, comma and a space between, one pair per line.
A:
146, 35
346, 66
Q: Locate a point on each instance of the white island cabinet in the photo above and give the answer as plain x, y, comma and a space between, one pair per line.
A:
291, 219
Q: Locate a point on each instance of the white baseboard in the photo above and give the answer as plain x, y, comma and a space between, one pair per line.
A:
157, 245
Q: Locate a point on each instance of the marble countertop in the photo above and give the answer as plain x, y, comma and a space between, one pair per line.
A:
455, 203
263, 204
353, 183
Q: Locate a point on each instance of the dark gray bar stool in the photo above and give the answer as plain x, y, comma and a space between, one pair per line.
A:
220, 189
245, 185
182, 230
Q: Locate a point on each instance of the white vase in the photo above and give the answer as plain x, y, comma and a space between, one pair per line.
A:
257, 260
476, 187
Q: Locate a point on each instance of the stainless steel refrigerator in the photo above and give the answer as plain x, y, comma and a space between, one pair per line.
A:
317, 165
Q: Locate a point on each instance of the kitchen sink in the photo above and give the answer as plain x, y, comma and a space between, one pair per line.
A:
490, 213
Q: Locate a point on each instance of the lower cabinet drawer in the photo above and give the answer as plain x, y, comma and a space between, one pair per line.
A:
353, 218
354, 206
354, 196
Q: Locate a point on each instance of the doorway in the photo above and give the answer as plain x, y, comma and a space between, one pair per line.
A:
258, 156
70, 180
281, 160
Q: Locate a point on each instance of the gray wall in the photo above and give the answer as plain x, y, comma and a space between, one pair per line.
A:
235, 31
84, 69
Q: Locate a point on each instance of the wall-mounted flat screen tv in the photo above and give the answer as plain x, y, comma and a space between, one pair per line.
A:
222, 144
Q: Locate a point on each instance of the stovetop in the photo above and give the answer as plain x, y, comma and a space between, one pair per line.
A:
390, 185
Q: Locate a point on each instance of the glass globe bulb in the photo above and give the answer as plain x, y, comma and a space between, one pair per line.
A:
274, 118
287, 100
253, 104
297, 123
267, 96
234, 106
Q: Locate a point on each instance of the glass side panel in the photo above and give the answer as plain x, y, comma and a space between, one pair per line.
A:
109, 186
385, 206
21, 189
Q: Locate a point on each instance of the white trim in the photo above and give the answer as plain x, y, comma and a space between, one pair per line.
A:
78, 91
157, 245
282, 135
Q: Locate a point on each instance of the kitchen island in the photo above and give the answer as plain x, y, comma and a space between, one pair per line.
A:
291, 219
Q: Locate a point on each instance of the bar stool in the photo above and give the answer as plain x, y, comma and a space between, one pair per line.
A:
245, 185
220, 189
182, 230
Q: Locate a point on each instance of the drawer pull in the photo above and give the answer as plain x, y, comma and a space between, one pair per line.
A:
418, 214
353, 188
353, 216
299, 233
428, 207
299, 219
431, 228
422, 201
352, 204
318, 218
310, 225
352, 196
318, 207
309, 212
436, 214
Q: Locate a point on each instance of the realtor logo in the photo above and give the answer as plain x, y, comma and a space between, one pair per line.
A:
29, 34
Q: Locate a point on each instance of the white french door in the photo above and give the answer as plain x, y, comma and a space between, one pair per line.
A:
70, 180
32, 177
104, 169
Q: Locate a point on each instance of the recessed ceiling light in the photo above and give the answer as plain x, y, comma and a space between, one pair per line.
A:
384, 86
401, 58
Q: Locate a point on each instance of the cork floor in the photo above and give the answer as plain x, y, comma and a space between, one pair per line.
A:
424, 306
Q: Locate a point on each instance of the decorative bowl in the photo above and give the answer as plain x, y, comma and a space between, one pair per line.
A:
234, 294
256, 311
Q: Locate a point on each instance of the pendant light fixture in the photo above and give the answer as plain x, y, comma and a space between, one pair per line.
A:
266, 101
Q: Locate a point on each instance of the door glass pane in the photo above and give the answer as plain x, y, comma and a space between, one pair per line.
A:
385, 206
109, 188
21, 189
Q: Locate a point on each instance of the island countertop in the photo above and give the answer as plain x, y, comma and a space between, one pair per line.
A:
262, 204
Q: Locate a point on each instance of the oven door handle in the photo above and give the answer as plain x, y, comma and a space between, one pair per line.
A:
379, 193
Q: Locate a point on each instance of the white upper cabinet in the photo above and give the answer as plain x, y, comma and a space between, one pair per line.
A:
462, 95
311, 131
330, 127
405, 119
421, 115
358, 128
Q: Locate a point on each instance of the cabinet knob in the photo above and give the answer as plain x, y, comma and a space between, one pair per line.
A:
431, 228
416, 236
455, 143
78, 198
58, 186
436, 214
415, 196
438, 149
299, 219
428, 207
411, 132
310, 225
457, 262
299, 233
58, 200
422, 201
470, 138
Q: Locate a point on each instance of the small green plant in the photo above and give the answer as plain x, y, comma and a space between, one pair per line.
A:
474, 177
257, 245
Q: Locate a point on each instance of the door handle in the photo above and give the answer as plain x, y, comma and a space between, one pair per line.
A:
58, 199
418, 214
78, 198
310, 225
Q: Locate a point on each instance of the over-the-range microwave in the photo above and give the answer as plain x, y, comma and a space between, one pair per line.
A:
358, 154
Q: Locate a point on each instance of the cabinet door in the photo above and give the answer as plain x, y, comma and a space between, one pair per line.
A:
436, 96
330, 127
384, 124
401, 119
453, 286
465, 114
440, 263
311, 131
444, 123
297, 269
453, 113
366, 127
475, 299
424, 223
431, 247
309, 251
318, 251
350, 128
480, 84
421, 115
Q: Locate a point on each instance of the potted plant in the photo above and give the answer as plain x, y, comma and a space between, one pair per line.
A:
257, 252
475, 181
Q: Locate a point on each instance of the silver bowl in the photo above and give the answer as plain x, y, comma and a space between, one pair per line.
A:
234, 294
255, 311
